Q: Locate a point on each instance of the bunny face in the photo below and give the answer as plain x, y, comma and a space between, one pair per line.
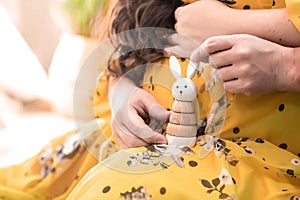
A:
184, 89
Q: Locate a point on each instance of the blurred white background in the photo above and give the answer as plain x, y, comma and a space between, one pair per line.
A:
40, 57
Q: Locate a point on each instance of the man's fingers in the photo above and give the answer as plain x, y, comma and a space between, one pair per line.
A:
228, 73
199, 55
175, 39
231, 87
221, 58
234, 86
210, 46
182, 45
183, 40
177, 51
217, 43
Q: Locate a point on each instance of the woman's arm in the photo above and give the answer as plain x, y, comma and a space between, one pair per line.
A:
206, 18
273, 25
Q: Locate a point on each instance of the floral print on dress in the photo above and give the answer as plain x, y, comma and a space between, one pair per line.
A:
247, 149
49, 158
210, 143
46, 160
69, 148
218, 184
295, 197
225, 177
136, 194
156, 154
295, 161
215, 119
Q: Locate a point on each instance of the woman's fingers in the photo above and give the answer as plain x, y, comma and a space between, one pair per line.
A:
125, 137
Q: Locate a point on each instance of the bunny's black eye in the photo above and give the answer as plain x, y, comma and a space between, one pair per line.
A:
185, 86
177, 86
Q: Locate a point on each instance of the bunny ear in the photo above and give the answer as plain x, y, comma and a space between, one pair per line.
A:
191, 69
175, 67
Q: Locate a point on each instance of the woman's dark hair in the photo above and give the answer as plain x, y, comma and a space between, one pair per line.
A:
134, 14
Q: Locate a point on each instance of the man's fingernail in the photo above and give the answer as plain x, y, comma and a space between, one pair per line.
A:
161, 141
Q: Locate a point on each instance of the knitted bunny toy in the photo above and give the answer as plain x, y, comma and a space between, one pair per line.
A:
182, 126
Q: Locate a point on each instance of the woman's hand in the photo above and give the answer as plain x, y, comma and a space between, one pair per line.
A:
207, 18
198, 21
203, 19
251, 65
130, 107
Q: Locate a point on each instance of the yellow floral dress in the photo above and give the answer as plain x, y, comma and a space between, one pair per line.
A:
255, 157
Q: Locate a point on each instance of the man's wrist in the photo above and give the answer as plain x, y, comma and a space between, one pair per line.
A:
292, 67
295, 65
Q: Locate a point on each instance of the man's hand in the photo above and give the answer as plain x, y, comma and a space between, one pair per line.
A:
183, 46
248, 64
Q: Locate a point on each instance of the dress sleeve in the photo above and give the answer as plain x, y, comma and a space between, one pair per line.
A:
293, 9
